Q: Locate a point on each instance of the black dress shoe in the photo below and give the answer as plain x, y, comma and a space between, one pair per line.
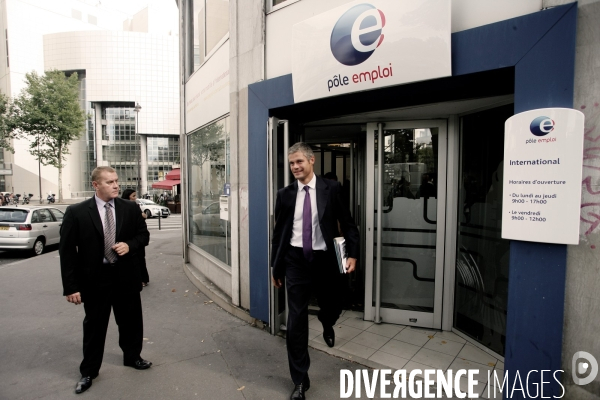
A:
138, 364
300, 390
329, 336
84, 384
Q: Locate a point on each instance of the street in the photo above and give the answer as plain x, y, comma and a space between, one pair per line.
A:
199, 351
173, 222
7, 257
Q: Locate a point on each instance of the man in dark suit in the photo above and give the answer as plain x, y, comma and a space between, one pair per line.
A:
99, 240
306, 222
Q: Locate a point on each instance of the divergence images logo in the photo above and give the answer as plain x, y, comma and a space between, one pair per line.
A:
357, 34
541, 126
583, 362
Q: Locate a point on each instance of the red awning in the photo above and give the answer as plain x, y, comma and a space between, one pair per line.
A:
167, 184
174, 174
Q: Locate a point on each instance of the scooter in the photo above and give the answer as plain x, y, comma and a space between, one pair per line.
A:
50, 198
26, 198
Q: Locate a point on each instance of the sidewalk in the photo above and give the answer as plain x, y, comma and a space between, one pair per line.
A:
199, 351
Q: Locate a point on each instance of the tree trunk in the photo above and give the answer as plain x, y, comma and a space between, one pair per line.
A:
60, 196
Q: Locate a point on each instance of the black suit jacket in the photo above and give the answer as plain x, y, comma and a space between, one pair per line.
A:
81, 246
331, 209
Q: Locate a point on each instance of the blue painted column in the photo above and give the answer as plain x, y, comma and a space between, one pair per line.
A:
262, 97
536, 288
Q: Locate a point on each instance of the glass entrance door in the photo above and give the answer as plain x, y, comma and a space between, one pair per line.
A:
405, 209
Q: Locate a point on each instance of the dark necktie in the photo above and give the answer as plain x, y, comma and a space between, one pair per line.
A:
109, 234
307, 227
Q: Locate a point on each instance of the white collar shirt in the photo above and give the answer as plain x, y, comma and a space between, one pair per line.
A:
102, 211
318, 243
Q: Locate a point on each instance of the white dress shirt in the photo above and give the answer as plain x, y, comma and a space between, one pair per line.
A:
102, 211
318, 243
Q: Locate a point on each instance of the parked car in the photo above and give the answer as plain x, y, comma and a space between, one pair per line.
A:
209, 222
152, 209
29, 228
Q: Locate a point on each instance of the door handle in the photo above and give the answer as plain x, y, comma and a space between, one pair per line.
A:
45, 226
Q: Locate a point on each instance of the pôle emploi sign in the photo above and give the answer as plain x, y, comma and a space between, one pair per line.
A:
367, 45
543, 152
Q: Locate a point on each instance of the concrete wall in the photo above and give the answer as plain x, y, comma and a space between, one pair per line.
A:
582, 299
246, 34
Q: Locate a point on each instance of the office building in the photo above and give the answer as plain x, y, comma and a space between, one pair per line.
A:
405, 102
120, 61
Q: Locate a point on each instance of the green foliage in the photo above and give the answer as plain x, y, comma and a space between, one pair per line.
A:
207, 144
48, 113
7, 131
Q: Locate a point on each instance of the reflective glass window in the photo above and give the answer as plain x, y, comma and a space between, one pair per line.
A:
209, 173
210, 25
481, 283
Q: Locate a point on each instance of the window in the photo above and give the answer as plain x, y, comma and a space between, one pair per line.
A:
58, 215
45, 216
210, 26
122, 151
209, 173
274, 5
481, 285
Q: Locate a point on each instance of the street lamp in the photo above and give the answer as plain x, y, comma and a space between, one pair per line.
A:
137, 109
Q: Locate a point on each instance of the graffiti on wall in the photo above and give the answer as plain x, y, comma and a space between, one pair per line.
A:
590, 196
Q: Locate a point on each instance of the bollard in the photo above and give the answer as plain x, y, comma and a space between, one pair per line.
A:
159, 218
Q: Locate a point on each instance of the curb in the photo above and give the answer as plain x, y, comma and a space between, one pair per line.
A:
219, 297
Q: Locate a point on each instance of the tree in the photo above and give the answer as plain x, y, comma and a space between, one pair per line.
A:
207, 144
47, 112
207, 150
7, 131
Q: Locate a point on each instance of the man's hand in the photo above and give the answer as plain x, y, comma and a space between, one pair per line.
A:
121, 248
276, 282
74, 298
350, 265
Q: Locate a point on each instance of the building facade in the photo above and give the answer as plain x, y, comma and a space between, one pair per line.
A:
120, 62
432, 253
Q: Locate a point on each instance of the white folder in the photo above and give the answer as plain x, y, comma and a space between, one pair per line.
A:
339, 243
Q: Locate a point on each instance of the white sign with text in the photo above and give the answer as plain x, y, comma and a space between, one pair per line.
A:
543, 154
368, 45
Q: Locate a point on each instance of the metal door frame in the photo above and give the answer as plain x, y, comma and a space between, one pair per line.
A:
278, 318
376, 313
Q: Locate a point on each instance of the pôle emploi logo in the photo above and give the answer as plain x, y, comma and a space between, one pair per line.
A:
541, 126
461, 384
354, 38
357, 34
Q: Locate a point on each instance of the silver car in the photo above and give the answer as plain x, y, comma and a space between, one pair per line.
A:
29, 228
152, 209
209, 222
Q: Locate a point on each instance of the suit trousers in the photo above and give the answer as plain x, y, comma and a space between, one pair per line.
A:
127, 306
322, 277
